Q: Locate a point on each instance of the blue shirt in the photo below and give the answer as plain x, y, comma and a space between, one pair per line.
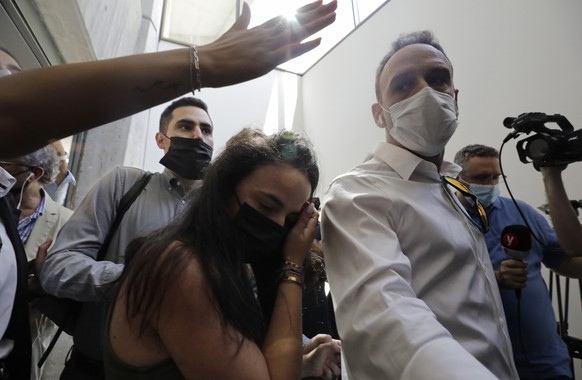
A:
545, 351
25, 225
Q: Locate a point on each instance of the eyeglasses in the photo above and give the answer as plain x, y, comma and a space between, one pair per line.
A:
484, 179
6, 165
458, 185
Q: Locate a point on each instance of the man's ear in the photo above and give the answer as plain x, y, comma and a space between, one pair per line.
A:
378, 116
38, 172
457, 101
160, 140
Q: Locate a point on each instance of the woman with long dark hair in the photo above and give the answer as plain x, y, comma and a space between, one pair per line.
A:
186, 306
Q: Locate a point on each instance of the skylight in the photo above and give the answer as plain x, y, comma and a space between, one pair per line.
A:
202, 21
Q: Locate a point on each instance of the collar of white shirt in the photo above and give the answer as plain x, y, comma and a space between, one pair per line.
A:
405, 163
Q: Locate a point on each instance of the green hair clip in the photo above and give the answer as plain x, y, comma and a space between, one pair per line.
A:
288, 148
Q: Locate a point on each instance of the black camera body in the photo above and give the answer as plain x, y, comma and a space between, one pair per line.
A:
548, 147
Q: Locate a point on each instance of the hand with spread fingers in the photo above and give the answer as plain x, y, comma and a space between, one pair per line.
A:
100, 92
249, 53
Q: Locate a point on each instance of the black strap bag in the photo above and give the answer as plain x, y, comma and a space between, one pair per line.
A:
64, 312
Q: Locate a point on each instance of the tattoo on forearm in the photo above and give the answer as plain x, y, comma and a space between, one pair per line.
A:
159, 84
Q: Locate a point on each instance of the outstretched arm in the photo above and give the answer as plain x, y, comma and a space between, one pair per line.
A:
564, 219
42, 105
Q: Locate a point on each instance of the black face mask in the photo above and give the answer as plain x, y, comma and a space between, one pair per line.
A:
188, 158
263, 237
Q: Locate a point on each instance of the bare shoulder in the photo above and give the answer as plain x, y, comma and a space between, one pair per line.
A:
193, 332
188, 288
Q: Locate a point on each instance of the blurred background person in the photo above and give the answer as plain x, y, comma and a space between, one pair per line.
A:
39, 218
58, 188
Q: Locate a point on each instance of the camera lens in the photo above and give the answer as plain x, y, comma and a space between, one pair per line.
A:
538, 149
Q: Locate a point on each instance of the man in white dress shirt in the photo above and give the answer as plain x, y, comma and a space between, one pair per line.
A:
410, 276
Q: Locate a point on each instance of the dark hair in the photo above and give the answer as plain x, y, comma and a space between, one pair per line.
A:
418, 37
207, 231
182, 102
476, 150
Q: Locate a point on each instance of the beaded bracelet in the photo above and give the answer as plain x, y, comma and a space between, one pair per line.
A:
292, 264
194, 66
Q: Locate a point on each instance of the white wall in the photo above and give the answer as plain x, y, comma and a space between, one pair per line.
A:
509, 57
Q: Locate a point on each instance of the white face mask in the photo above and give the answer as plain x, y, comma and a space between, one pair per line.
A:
425, 122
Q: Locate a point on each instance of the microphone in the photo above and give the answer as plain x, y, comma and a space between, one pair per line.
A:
516, 239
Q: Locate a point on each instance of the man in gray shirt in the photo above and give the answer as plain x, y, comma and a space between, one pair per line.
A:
71, 269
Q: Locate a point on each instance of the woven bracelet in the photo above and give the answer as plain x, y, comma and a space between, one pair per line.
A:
292, 264
289, 268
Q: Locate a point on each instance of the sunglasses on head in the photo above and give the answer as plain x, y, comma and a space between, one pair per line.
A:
463, 189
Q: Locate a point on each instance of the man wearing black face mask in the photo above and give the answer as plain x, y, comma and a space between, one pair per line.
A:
71, 269
186, 137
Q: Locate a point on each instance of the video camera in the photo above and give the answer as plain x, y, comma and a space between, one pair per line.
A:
548, 147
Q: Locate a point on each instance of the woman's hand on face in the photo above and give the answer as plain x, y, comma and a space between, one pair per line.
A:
301, 236
242, 54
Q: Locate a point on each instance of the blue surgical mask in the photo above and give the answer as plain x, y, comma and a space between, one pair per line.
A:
487, 194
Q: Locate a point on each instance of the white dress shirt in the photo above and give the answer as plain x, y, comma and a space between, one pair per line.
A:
414, 292
7, 270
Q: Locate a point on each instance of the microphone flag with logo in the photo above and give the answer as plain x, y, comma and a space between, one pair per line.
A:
516, 239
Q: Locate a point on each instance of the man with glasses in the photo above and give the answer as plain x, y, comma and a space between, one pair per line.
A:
538, 350
414, 291
39, 218
15, 341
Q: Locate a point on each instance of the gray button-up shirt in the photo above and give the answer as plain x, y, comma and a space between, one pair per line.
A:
71, 269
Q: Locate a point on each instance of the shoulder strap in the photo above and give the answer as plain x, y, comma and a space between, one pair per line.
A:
124, 204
